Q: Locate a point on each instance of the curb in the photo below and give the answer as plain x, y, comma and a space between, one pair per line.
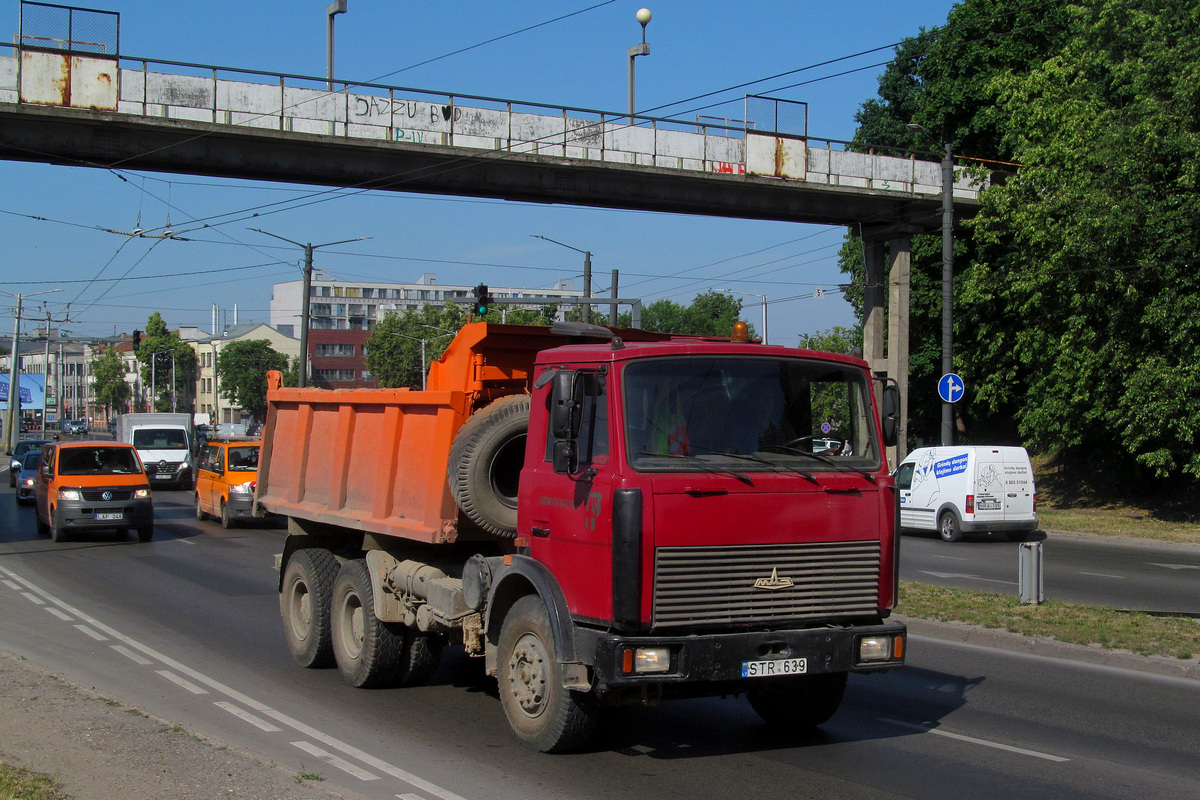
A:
1051, 648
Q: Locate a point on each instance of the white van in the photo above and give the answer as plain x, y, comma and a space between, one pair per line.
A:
954, 490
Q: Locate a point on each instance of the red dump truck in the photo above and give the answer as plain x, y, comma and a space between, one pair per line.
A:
604, 516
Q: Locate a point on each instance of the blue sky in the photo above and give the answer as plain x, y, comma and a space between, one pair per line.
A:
697, 47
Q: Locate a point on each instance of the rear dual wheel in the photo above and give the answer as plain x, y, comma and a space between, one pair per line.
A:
304, 601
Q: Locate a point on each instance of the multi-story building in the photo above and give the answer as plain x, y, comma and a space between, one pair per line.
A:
342, 305
209, 398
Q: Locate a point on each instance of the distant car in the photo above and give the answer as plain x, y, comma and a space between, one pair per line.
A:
23, 447
27, 476
76, 426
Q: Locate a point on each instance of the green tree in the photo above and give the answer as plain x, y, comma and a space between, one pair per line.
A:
710, 313
1085, 297
164, 355
108, 381
393, 350
242, 373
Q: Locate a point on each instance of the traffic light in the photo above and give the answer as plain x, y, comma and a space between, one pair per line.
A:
483, 301
137, 340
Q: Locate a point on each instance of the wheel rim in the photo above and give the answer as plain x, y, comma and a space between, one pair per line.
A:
527, 674
352, 627
300, 610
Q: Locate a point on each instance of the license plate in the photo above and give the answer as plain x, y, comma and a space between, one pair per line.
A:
989, 505
163, 475
113, 515
778, 666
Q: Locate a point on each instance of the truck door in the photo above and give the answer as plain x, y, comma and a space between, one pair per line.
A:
1018, 487
568, 517
989, 486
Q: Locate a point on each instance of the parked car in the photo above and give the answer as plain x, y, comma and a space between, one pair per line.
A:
27, 476
23, 447
89, 485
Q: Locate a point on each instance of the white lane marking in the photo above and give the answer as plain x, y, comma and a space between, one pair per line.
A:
33, 598
972, 740
334, 761
967, 577
243, 714
132, 656
246, 700
184, 682
65, 617
1175, 566
1103, 575
16, 587
186, 541
951, 558
409, 797
99, 637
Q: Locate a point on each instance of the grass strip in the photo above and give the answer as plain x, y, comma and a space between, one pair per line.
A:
1132, 522
19, 783
1113, 629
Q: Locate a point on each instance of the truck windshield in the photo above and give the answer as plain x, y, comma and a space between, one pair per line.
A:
160, 439
748, 414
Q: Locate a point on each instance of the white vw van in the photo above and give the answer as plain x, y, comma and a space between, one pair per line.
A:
954, 490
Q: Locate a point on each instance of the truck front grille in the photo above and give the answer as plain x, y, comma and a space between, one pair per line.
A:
753, 584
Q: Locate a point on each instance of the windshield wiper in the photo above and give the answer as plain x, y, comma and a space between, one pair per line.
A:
771, 465
704, 466
824, 459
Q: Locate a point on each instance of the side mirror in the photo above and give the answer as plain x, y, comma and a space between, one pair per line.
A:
566, 404
891, 414
566, 456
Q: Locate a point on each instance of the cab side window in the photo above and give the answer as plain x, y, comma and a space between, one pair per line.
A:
211, 460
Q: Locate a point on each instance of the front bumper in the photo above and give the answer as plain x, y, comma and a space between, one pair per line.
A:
132, 513
240, 506
169, 474
718, 659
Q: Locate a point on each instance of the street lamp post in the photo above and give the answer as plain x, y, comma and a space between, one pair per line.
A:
947, 273
587, 265
301, 380
334, 8
643, 49
764, 308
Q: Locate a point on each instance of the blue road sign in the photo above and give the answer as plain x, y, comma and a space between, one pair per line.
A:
951, 388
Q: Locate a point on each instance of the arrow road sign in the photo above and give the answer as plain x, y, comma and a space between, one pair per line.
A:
951, 387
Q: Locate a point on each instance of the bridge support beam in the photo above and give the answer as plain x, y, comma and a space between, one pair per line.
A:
888, 357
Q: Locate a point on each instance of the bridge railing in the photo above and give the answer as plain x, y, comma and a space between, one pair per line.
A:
156, 88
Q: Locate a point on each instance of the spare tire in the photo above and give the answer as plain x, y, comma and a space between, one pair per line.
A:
485, 464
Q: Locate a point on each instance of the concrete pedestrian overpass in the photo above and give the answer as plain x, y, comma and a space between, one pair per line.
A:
61, 106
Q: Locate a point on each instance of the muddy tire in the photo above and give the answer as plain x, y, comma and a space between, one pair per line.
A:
304, 606
485, 464
368, 652
545, 715
419, 659
804, 701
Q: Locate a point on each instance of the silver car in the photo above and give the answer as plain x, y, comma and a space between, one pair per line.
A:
27, 476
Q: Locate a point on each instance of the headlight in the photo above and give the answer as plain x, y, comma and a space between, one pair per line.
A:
141, 494
646, 660
880, 648
242, 488
29, 481
69, 494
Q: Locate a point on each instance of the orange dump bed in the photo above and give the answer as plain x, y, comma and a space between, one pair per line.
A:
375, 460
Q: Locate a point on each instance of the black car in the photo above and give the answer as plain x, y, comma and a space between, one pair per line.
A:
24, 446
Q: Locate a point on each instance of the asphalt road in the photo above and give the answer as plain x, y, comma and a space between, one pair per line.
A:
187, 628
1146, 576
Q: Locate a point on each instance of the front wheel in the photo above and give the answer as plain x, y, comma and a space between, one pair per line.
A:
545, 715
201, 514
804, 701
226, 519
368, 652
304, 606
57, 532
146, 532
949, 528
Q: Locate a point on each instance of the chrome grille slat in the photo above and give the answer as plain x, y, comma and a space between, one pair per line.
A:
695, 586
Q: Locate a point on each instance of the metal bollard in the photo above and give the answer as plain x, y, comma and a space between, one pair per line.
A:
1029, 570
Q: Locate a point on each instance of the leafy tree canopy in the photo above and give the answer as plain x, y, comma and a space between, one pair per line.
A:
108, 381
242, 373
163, 354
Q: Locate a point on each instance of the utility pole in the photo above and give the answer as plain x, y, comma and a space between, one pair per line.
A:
612, 309
302, 380
12, 426
587, 273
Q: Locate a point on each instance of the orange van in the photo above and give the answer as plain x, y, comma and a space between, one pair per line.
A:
226, 474
92, 484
